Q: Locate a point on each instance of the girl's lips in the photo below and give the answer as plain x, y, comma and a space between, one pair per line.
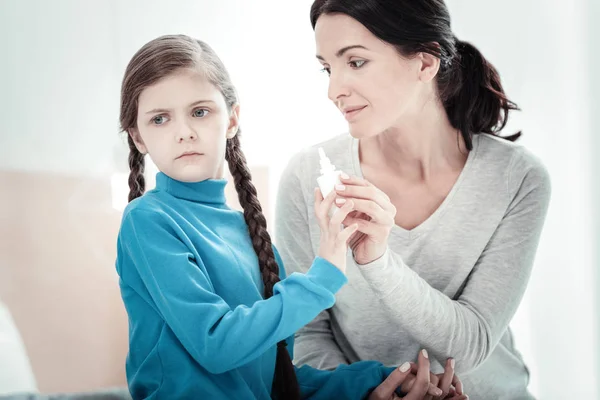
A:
189, 154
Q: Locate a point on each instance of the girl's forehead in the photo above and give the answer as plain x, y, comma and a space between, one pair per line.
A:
179, 90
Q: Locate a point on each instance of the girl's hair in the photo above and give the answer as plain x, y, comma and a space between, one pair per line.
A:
156, 60
468, 85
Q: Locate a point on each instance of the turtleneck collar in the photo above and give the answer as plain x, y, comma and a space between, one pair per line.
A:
209, 191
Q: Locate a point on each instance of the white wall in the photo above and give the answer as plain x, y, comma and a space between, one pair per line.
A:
63, 60
59, 85
593, 59
541, 49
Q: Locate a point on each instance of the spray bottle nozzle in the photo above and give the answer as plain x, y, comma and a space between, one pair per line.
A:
326, 165
322, 153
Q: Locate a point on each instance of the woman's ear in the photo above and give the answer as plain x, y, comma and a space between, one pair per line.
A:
137, 140
234, 121
430, 65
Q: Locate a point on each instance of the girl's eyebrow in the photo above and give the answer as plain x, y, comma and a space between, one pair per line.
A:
166, 110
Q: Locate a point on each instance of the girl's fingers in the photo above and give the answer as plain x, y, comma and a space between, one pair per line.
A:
346, 233
322, 207
341, 213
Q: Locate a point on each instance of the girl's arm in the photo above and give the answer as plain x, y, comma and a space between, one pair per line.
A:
216, 336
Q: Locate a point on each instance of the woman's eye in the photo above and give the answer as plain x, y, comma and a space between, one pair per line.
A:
357, 63
201, 112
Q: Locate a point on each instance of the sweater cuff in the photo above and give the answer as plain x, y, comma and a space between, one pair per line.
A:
383, 275
327, 275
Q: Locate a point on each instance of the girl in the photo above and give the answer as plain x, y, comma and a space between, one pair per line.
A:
209, 316
449, 212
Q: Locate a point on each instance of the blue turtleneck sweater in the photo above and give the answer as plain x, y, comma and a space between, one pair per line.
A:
198, 324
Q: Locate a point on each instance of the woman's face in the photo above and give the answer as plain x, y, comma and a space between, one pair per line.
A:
373, 86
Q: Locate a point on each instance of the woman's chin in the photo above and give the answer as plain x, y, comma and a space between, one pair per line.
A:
362, 132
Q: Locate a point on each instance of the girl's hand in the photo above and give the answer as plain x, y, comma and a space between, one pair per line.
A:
334, 238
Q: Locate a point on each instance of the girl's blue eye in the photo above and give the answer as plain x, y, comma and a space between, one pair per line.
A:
201, 112
159, 120
326, 70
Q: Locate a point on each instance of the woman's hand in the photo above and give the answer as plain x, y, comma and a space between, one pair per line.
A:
449, 384
334, 239
420, 388
373, 213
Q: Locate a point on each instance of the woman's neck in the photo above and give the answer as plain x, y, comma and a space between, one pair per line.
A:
417, 149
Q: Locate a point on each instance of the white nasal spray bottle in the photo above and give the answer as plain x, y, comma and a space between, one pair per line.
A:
329, 178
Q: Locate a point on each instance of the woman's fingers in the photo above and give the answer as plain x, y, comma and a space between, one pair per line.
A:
366, 193
421, 385
433, 381
354, 180
447, 377
373, 210
387, 388
457, 385
364, 226
361, 189
410, 381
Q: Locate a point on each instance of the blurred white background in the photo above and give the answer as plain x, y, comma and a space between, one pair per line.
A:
60, 72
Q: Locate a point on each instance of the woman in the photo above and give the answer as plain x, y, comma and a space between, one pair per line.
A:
449, 212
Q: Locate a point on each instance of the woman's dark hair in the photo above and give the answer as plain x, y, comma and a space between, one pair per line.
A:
468, 85
156, 60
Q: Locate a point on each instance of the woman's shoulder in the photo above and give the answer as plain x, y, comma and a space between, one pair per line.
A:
522, 168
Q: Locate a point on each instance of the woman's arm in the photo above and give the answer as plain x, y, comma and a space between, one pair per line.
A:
468, 328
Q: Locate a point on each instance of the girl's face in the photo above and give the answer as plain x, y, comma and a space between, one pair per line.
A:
183, 123
370, 82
